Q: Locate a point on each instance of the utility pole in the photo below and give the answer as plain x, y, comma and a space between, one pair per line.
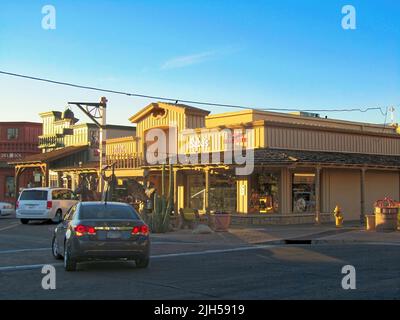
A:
97, 112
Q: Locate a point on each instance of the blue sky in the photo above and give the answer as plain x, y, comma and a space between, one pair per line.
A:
266, 54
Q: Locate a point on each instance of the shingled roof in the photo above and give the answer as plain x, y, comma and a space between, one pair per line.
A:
278, 156
269, 156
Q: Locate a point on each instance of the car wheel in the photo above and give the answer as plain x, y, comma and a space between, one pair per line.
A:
58, 217
24, 221
142, 263
69, 263
55, 250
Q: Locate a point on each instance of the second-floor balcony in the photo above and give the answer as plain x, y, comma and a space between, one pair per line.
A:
54, 141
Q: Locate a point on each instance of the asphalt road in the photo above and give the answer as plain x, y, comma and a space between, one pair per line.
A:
196, 271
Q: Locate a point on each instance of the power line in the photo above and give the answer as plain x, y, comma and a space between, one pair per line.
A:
175, 100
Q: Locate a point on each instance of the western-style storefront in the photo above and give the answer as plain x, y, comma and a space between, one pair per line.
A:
303, 167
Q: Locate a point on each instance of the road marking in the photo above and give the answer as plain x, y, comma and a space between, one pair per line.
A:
27, 267
173, 255
199, 253
10, 227
24, 250
161, 256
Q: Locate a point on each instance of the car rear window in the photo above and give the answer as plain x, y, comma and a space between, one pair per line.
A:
37, 195
107, 212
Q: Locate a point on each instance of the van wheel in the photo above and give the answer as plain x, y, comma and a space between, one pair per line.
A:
24, 221
58, 217
142, 263
69, 263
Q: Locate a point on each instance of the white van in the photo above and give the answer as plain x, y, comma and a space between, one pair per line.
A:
44, 204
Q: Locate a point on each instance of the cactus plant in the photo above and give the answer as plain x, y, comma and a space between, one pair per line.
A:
163, 206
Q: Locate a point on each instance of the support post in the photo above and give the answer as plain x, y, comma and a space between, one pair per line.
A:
103, 140
176, 189
18, 172
207, 188
46, 175
363, 196
318, 195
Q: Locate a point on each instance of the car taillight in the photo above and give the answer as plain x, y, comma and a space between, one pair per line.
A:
144, 230
81, 230
49, 204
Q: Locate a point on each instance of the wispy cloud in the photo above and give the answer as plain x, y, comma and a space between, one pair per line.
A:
185, 61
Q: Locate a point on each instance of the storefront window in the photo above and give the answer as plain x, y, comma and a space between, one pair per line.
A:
303, 193
197, 188
222, 195
264, 196
10, 187
54, 181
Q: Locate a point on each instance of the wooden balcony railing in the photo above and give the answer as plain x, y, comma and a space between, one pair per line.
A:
126, 161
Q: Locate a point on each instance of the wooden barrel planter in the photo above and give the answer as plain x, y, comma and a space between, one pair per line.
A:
221, 221
386, 215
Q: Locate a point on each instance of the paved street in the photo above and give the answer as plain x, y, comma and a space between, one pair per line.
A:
217, 266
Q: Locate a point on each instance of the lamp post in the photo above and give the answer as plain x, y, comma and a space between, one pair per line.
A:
97, 112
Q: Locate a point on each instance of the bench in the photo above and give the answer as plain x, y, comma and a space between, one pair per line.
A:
189, 217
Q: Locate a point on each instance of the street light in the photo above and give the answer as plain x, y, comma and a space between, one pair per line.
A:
97, 112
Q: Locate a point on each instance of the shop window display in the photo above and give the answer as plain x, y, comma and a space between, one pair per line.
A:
264, 196
222, 193
222, 196
303, 193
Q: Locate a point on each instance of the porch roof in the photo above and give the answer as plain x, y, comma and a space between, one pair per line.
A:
50, 156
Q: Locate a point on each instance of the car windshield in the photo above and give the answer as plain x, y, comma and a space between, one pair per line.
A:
40, 195
107, 212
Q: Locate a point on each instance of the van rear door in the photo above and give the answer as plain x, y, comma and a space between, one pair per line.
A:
33, 200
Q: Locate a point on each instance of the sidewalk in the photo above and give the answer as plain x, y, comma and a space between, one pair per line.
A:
313, 234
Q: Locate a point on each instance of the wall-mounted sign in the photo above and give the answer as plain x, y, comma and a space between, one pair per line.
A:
37, 177
242, 190
94, 139
237, 138
10, 155
196, 143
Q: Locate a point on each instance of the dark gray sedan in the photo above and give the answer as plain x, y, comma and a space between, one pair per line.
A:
101, 231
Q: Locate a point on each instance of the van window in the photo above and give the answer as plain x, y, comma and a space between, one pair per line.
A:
38, 195
62, 195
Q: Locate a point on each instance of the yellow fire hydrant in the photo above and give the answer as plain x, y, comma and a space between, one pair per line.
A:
338, 216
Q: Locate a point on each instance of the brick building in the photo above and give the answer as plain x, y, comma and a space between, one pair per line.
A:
17, 140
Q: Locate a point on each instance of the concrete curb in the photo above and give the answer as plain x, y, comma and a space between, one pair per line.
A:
293, 242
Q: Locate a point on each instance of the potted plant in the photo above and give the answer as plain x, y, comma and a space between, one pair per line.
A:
221, 221
386, 214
